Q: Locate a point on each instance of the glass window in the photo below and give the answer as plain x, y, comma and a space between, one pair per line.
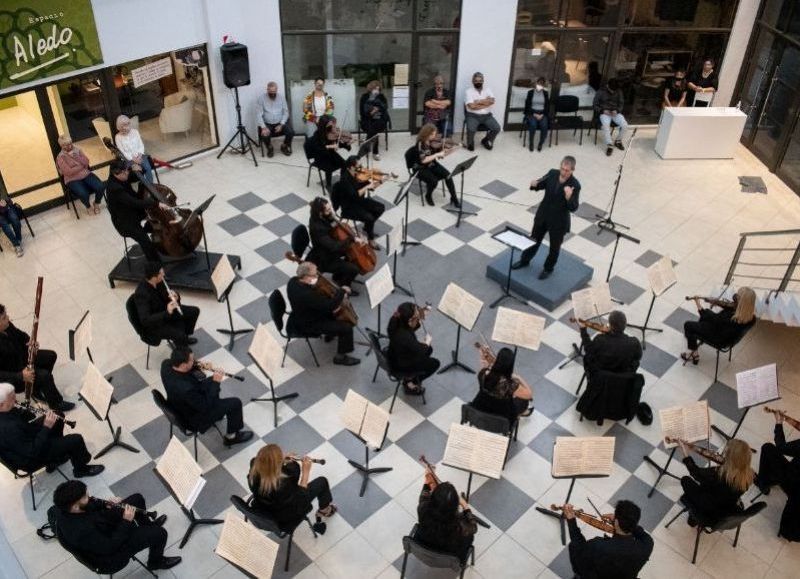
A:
538, 12
535, 55
438, 13
777, 13
347, 14
789, 169
436, 53
582, 13
694, 13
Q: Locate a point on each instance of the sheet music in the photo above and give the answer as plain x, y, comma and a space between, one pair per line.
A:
460, 305
265, 351
180, 471
518, 328
373, 428
514, 239
353, 410
591, 302
394, 239
96, 390
691, 422
379, 285
82, 338
757, 385
247, 547
475, 450
222, 276
587, 455
661, 275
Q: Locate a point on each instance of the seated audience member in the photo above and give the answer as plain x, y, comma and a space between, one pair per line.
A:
537, 105
73, 166
703, 84
160, 311
316, 105
675, 90
612, 351
196, 399
29, 442
273, 120
129, 142
314, 313
721, 328
501, 391
427, 163
353, 197
442, 527
282, 490
438, 107
11, 226
329, 254
322, 146
406, 354
479, 101
620, 556
14, 365
775, 469
608, 103
374, 110
715, 492
106, 534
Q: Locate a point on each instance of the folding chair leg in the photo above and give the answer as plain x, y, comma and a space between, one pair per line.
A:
736, 538
716, 367
403, 568
285, 348
195, 447
30, 484
313, 355
308, 177
697, 542
375, 374
288, 553
147, 361
310, 526
135, 558
673, 519
396, 390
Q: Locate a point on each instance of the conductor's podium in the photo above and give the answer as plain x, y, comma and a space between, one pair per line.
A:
570, 274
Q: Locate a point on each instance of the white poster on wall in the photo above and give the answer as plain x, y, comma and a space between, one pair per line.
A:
400, 97
151, 71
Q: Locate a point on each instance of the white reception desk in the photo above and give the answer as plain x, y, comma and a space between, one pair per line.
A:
699, 132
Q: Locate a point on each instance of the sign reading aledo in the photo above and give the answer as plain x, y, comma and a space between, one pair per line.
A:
41, 38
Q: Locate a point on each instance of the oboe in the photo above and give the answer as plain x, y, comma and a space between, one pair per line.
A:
209, 367
299, 459
173, 299
111, 504
41, 412
793, 422
704, 452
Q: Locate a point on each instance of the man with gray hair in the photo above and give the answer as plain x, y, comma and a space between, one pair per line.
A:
272, 119
614, 350
561, 194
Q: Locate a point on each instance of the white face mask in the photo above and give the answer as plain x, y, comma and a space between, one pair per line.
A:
375, 92
539, 88
313, 280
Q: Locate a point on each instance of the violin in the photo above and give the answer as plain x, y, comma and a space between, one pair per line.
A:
596, 326
601, 523
719, 302
364, 175
361, 254
793, 422
704, 452
341, 136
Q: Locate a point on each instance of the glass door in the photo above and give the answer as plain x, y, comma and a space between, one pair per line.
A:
435, 54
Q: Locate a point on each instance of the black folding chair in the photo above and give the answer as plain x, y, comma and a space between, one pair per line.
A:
431, 558
176, 421
566, 117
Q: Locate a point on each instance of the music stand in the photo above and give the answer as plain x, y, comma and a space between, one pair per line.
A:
763, 395
460, 169
116, 434
604, 226
515, 239
656, 290
246, 143
377, 292
79, 338
365, 148
560, 515
225, 295
355, 403
365, 470
263, 334
196, 214
402, 195
662, 470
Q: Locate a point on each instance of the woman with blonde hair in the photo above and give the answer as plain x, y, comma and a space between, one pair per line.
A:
130, 144
281, 488
426, 161
714, 492
723, 328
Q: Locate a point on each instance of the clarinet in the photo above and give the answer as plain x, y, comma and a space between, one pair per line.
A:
41, 412
111, 504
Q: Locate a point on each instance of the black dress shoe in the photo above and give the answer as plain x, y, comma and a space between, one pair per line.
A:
345, 360
429, 199
88, 470
270, 151
609, 150
545, 274
471, 147
191, 341
159, 521
619, 145
286, 150
519, 264
164, 563
487, 144
239, 437
65, 406
539, 147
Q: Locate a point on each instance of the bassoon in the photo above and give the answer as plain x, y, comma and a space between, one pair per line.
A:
32, 345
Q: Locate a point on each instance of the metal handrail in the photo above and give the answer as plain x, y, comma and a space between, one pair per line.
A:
768, 233
791, 265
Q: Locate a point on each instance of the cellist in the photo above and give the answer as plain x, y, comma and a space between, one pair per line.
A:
329, 254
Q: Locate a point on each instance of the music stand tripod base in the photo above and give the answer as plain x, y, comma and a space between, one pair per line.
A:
194, 522
365, 470
116, 434
456, 363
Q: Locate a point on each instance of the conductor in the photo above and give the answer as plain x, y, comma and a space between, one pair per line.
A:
561, 191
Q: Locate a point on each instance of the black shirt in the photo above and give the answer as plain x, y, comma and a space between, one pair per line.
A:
721, 329
325, 250
97, 531
456, 541
717, 499
676, 89
613, 352
615, 557
499, 399
126, 207
309, 306
289, 503
13, 354
345, 192
792, 450
406, 353
22, 443
151, 305
554, 209
193, 397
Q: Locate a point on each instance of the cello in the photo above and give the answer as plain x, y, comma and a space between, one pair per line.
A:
173, 233
361, 254
345, 312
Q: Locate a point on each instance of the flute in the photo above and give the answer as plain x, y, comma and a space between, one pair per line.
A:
41, 413
704, 452
292, 456
112, 504
793, 422
173, 299
209, 367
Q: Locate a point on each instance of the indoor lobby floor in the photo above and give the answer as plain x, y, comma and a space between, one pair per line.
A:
692, 211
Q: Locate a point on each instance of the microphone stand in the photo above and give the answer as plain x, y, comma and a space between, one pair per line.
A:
606, 220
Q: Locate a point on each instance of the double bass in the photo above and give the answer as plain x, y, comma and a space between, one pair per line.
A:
174, 234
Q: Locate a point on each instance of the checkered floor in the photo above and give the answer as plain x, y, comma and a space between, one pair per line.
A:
254, 216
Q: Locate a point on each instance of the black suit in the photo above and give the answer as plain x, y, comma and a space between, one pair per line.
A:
101, 535
195, 398
617, 557
313, 314
127, 210
14, 357
553, 215
151, 306
612, 352
328, 253
354, 206
30, 446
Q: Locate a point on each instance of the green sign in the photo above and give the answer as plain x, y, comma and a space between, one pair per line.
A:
41, 38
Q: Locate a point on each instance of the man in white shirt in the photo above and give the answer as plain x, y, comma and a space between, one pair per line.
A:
479, 102
273, 120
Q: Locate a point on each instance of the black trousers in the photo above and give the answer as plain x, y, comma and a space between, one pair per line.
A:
342, 330
146, 535
368, 211
774, 468
320, 489
431, 174
343, 272
231, 410
697, 331
373, 127
60, 447
424, 371
178, 328
556, 239
287, 133
44, 387
141, 237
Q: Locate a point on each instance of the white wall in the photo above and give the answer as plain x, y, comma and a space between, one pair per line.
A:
735, 52
486, 45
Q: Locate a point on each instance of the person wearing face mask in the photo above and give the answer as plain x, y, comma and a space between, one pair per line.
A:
438, 107
130, 144
374, 112
316, 105
537, 104
273, 120
73, 166
608, 103
479, 102
703, 84
675, 90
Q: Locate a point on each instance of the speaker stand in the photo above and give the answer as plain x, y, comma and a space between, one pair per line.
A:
245, 142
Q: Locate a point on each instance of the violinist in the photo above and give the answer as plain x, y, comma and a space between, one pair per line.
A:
374, 114
353, 198
612, 351
314, 314
723, 328
426, 160
501, 391
160, 311
774, 468
406, 354
127, 209
322, 147
329, 254
620, 556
